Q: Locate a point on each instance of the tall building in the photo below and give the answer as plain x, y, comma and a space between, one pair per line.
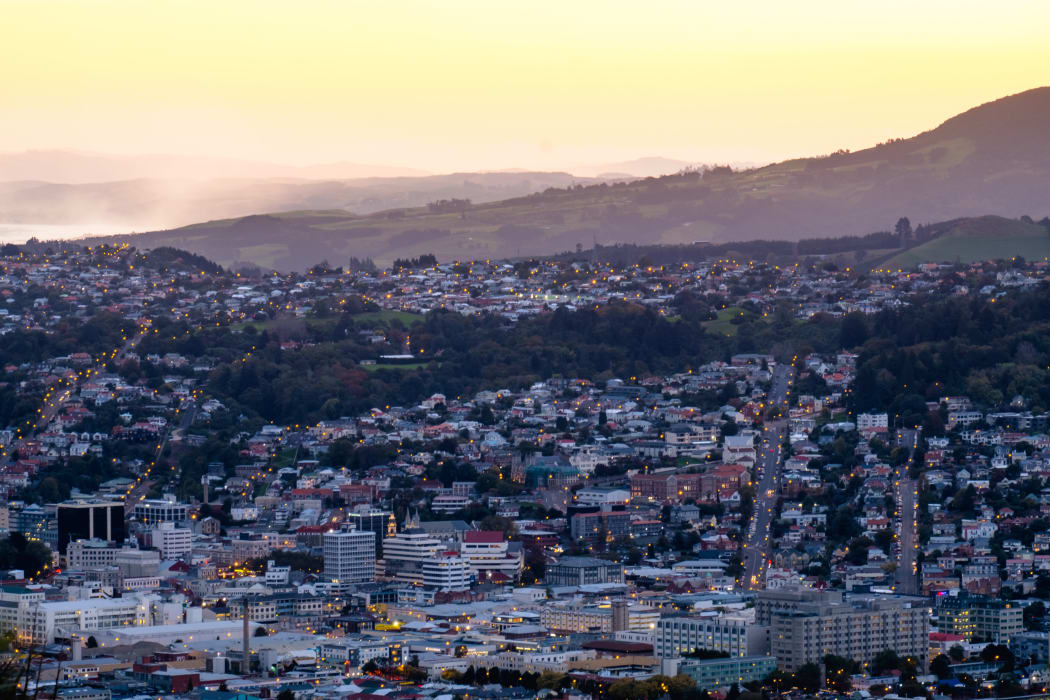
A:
404, 554
857, 628
86, 520
350, 556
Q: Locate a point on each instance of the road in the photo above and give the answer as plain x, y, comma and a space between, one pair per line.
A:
184, 414
907, 491
770, 462
905, 578
55, 399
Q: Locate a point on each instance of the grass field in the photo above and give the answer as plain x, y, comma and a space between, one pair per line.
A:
385, 317
985, 238
722, 325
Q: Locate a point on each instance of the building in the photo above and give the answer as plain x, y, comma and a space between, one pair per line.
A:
40, 622
488, 552
447, 572
858, 628
37, 524
172, 542
580, 571
979, 618
873, 421
86, 520
605, 618
404, 554
160, 510
89, 554
350, 556
603, 496
720, 673
678, 635
380, 522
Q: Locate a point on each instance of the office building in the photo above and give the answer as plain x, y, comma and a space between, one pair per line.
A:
172, 542
380, 522
86, 520
737, 635
447, 572
160, 510
581, 571
489, 553
350, 556
404, 554
720, 673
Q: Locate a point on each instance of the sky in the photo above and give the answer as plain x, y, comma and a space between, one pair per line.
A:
492, 84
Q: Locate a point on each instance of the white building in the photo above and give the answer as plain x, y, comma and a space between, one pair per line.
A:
870, 421
404, 554
447, 572
488, 552
172, 542
85, 554
598, 496
155, 510
350, 556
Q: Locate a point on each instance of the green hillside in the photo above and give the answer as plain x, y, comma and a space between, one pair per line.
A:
994, 158
976, 239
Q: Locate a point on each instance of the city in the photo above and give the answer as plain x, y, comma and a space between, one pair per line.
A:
737, 523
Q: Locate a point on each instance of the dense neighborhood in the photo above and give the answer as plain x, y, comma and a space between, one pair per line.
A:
768, 519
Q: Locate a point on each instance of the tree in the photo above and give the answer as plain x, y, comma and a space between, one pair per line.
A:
807, 677
941, 666
885, 660
91, 643
837, 672
286, 694
261, 632
956, 653
903, 229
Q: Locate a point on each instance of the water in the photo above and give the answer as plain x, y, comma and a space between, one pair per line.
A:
20, 233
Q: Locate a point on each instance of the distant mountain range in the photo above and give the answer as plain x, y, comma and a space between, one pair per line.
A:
161, 191
993, 159
75, 167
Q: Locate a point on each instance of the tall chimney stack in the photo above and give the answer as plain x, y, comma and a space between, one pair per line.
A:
247, 645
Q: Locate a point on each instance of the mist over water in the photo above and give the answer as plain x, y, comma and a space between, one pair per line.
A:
20, 233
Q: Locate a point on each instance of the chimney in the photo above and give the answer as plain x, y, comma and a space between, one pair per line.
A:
620, 616
246, 662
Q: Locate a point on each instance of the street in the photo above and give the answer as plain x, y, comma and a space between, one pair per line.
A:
770, 461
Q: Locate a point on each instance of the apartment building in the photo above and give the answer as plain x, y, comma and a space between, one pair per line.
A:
979, 617
858, 628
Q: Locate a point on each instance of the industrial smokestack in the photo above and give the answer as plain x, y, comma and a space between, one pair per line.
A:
247, 644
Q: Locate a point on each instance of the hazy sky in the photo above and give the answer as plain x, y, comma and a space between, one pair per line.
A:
462, 84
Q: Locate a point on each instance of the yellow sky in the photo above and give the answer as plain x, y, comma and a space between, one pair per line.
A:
464, 84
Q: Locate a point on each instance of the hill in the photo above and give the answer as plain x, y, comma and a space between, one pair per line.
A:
150, 203
974, 239
991, 159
